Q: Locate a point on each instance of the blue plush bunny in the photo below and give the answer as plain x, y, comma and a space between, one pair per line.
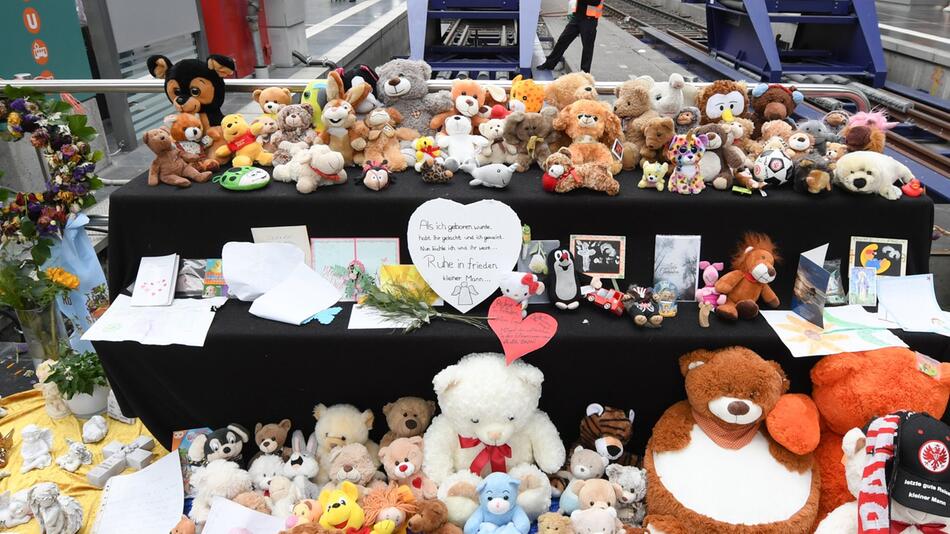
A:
498, 511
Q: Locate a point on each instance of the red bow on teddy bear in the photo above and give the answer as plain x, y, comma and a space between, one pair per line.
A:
496, 454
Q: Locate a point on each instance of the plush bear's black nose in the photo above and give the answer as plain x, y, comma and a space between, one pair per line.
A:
860, 183
738, 408
614, 450
180, 100
411, 424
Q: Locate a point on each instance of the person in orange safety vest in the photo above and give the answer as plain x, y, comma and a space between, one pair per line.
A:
581, 20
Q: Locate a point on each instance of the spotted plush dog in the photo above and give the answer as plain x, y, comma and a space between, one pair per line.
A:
684, 152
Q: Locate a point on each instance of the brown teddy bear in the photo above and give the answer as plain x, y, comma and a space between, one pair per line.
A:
596, 493
592, 128
168, 166
407, 417
561, 175
254, 500
273, 99
772, 102
723, 100
554, 523
402, 461
722, 158
379, 141
269, 128
432, 517
293, 128
633, 109
780, 129
270, 438
741, 131
735, 457
532, 136
195, 145
569, 88
657, 135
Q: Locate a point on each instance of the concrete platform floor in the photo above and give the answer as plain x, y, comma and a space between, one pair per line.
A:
926, 19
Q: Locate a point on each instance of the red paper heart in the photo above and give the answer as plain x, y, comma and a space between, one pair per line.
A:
518, 335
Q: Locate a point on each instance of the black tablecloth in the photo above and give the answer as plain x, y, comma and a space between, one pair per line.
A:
251, 369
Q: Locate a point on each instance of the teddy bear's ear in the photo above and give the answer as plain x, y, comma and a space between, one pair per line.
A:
530, 375
612, 470
257, 428
368, 419
319, 411
387, 408
223, 65
285, 424
288, 93
480, 486
831, 369
445, 379
382, 452
256, 95
781, 372
324, 497
146, 137
496, 93
692, 360
417, 441
431, 407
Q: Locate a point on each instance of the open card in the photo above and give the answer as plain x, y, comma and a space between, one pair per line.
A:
811, 285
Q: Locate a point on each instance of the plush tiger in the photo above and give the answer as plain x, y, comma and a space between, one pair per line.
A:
606, 430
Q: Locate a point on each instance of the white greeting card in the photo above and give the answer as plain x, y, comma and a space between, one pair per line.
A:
294, 235
299, 297
155, 281
676, 260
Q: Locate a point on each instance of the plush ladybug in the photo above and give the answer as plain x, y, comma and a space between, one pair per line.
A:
376, 175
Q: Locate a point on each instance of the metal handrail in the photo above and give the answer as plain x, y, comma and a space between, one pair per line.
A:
247, 85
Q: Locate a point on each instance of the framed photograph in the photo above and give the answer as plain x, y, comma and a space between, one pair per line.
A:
862, 286
349, 262
601, 256
888, 257
676, 260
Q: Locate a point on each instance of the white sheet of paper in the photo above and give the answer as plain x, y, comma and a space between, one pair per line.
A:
151, 500
464, 250
366, 318
294, 235
817, 254
155, 281
910, 302
185, 322
853, 317
226, 515
252, 269
805, 339
299, 297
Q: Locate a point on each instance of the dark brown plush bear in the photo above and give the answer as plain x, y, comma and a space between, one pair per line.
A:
657, 135
532, 135
270, 438
432, 518
407, 417
633, 108
168, 166
773, 102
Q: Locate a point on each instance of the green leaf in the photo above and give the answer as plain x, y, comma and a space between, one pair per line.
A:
40, 252
95, 182
27, 228
96, 156
61, 106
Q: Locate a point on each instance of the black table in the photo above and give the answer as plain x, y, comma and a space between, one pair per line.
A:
252, 369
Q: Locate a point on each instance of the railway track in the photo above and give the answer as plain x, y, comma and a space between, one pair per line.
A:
633, 15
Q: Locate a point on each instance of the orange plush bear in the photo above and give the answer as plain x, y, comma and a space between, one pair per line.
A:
850, 389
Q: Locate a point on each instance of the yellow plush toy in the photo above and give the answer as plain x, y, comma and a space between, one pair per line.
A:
425, 146
242, 142
341, 511
526, 96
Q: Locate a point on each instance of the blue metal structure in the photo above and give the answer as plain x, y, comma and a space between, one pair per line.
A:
474, 35
832, 37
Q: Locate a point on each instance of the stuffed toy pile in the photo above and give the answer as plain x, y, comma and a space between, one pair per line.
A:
726, 136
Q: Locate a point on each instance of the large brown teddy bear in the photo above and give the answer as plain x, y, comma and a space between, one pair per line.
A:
168, 166
773, 102
407, 417
592, 128
850, 389
712, 463
657, 134
568, 88
723, 100
532, 135
432, 517
633, 109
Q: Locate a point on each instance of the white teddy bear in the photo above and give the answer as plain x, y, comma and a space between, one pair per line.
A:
497, 150
220, 478
339, 425
490, 421
871, 172
668, 98
631, 508
459, 143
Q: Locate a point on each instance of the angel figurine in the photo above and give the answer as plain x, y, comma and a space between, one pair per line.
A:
56, 514
35, 448
55, 405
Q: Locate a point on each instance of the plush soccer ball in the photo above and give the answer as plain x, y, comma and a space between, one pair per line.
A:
773, 167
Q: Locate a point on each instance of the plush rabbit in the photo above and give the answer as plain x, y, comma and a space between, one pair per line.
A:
302, 465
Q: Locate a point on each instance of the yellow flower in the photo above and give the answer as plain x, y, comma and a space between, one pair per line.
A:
62, 277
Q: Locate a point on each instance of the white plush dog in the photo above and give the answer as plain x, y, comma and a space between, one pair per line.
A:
485, 402
871, 172
220, 478
312, 168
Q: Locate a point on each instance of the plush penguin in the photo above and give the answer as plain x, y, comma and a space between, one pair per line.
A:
563, 281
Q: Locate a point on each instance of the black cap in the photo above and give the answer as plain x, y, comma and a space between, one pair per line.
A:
921, 475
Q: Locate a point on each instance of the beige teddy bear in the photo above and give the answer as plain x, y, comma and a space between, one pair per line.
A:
402, 461
339, 425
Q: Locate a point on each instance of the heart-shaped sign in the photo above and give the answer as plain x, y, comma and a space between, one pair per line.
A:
519, 336
464, 250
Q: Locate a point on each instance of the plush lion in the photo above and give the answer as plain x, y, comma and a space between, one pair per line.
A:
394, 503
592, 128
753, 269
723, 100
735, 457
